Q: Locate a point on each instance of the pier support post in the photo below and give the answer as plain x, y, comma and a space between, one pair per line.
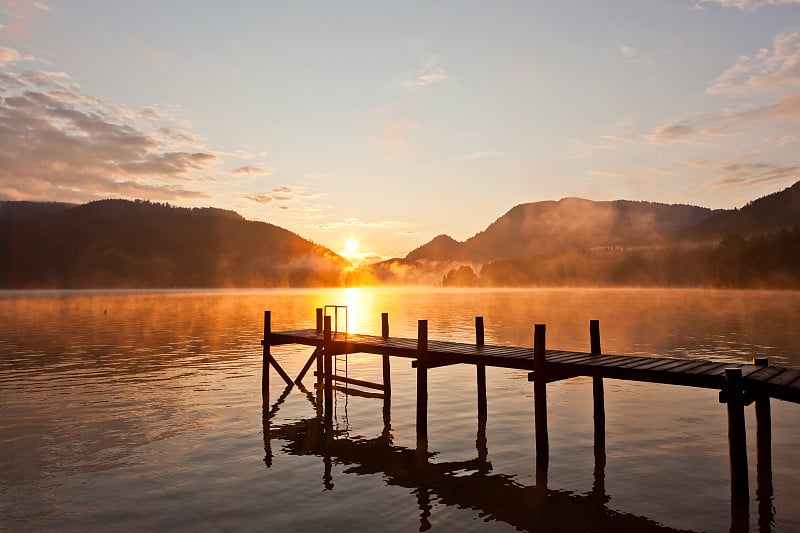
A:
764, 489
387, 374
422, 383
483, 412
763, 426
327, 352
266, 357
540, 404
320, 353
597, 391
737, 440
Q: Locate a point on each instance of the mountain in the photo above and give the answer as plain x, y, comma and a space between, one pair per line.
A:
769, 214
568, 224
119, 243
15, 209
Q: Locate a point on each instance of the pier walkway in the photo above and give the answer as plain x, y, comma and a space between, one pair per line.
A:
776, 382
739, 384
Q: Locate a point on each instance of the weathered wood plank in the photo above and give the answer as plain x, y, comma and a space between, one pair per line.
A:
784, 379
765, 373
688, 365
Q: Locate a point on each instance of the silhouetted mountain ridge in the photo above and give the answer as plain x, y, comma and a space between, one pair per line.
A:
120, 243
768, 214
568, 224
16, 209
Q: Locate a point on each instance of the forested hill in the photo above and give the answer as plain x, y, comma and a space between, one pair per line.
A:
769, 214
119, 243
568, 224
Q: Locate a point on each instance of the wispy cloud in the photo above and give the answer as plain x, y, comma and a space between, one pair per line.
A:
781, 141
683, 132
632, 55
482, 154
728, 174
637, 174
429, 73
57, 143
769, 71
607, 173
747, 5
356, 223
283, 194
8, 56
296, 201
603, 142
251, 170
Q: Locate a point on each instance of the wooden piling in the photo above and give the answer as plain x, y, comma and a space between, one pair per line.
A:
266, 355
481, 372
597, 388
737, 440
422, 381
385, 325
320, 353
763, 426
764, 488
327, 355
387, 374
540, 399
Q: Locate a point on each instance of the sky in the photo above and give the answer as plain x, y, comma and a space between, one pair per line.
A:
387, 123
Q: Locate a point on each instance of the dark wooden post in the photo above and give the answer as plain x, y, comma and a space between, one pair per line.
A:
481, 371
597, 388
540, 403
737, 440
320, 353
266, 355
327, 352
422, 382
763, 426
764, 488
387, 374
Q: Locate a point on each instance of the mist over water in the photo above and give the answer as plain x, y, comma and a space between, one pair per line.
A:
143, 410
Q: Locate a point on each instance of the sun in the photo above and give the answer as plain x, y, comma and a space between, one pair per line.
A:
351, 245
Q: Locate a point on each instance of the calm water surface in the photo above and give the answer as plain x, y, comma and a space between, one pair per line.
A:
143, 411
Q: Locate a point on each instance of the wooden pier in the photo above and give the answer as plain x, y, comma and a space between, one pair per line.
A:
739, 385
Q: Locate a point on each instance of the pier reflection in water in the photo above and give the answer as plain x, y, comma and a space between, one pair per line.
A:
469, 483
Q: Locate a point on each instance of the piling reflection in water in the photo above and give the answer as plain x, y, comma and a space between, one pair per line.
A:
469, 483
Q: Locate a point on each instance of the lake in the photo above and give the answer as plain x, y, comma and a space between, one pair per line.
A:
137, 410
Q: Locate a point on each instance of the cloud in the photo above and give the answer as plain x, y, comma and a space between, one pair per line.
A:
429, 73
8, 56
683, 132
785, 109
632, 55
356, 223
57, 143
604, 142
746, 173
747, 5
781, 141
250, 170
637, 175
292, 200
606, 173
282, 194
482, 154
768, 71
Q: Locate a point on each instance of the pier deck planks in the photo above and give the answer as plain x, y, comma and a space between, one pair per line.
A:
773, 381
